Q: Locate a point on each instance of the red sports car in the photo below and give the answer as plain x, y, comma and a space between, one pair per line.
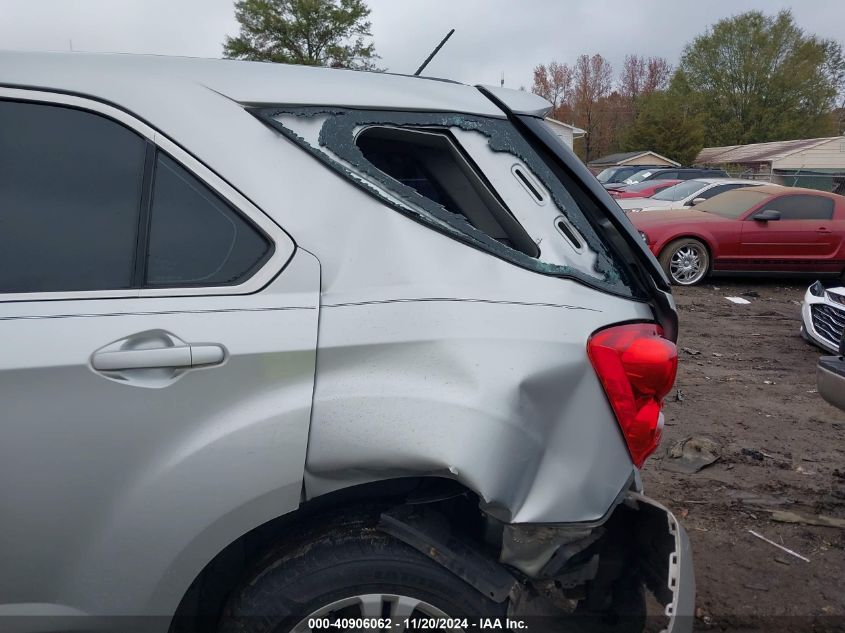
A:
768, 229
644, 189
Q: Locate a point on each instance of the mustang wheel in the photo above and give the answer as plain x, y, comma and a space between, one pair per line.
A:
686, 261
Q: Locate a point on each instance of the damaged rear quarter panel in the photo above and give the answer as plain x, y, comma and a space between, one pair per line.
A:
497, 395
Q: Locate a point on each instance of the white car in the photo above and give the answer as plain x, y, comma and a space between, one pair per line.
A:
686, 194
823, 315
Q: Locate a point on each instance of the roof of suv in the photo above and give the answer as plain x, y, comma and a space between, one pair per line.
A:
123, 78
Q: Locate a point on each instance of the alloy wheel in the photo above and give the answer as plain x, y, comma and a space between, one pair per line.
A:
688, 265
375, 606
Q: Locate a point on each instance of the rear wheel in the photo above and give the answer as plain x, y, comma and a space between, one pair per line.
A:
346, 573
686, 261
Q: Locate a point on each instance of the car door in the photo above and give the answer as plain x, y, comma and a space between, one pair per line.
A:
802, 240
157, 361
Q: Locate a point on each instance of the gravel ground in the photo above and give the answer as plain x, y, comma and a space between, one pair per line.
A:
747, 381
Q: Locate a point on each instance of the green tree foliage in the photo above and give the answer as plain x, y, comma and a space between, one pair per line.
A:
331, 33
761, 78
669, 123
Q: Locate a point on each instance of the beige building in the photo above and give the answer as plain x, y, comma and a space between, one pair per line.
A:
818, 163
625, 159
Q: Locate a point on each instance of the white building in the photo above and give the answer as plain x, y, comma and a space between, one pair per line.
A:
818, 163
564, 131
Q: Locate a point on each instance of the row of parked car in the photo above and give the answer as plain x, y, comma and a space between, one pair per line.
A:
712, 225
717, 225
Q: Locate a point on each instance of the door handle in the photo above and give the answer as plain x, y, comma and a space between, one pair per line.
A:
177, 356
824, 231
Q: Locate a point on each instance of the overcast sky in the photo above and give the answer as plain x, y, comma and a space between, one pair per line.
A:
492, 36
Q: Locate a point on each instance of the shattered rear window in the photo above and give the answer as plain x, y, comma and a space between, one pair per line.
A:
474, 178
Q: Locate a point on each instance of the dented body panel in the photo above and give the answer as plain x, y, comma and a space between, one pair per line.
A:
495, 392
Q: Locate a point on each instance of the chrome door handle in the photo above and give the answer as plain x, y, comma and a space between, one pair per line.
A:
177, 356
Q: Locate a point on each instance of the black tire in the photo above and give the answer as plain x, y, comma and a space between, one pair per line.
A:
340, 562
677, 247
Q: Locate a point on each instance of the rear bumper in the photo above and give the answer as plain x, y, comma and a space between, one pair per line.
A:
667, 558
587, 561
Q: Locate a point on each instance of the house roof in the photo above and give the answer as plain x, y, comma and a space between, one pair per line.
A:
757, 152
576, 131
623, 157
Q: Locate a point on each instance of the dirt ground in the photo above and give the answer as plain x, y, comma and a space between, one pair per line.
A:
747, 381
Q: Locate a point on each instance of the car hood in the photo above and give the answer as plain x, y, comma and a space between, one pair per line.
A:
645, 219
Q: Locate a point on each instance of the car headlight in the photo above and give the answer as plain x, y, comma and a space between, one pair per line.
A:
644, 236
817, 289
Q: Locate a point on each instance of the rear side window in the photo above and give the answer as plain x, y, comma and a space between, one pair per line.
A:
802, 207
432, 163
196, 238
473, 178
70, 191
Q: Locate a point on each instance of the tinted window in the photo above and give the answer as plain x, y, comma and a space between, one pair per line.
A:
802, 207
669, 175
70, 191
195, 237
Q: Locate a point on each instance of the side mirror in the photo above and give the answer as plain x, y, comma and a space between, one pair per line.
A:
766, 215
696, 201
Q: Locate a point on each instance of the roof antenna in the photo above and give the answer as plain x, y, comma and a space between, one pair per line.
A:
502, 81
433, 53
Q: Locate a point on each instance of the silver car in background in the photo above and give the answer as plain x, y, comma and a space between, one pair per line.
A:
686, 194
287, 347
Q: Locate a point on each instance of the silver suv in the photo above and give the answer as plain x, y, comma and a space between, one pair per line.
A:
284, 346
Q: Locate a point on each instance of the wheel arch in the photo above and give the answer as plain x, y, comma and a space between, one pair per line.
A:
692, 236
201, 604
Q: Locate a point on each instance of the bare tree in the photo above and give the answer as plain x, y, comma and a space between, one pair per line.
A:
553, 83
591, 86
641, 76
633, 77
657, 75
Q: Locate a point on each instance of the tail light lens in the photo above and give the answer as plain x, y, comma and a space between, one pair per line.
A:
637, 367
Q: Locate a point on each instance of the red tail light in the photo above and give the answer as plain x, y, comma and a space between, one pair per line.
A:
637, 367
